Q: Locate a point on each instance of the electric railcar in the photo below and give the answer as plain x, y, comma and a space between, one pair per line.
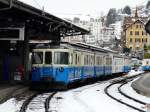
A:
68, 63
146, 64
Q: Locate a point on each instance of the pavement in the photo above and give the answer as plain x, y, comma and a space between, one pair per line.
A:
142, 85
7, 91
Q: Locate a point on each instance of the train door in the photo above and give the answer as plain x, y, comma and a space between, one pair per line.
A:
92, 65
78, 67
109, 64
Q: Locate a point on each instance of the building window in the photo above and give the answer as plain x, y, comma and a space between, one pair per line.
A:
136, 26
146, 40
137, 40
130, 40
142, 40
142, 33
140, 26
137, 33
130, 32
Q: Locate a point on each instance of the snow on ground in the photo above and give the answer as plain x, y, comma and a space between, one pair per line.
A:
37, 104
114, 89
11, 105
133, 72
90, 98
129, 91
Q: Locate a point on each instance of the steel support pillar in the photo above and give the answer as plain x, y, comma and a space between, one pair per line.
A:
26, 56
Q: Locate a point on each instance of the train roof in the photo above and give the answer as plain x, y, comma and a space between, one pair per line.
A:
83, 46
96, 47
67, 45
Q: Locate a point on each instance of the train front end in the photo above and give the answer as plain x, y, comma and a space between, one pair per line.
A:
50, 67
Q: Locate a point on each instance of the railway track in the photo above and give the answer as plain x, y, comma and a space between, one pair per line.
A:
124, 94
47, 102
37, 99
33, 100
97, 83
129, 98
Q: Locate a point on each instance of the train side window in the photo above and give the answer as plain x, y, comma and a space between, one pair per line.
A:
91, 61
100, 60
110, 61
37, 58
48, 58
61, 58
96, 60
71, 59
76, 59
147, 62
106, 61
86, 60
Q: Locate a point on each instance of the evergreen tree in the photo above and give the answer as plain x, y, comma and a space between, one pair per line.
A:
126, 50
127, 10
148, 47
111, 16
148, 5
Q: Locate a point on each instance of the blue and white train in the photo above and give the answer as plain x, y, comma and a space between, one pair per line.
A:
146, 64
68, 63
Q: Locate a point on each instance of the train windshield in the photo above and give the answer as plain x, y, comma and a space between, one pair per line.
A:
61, 58
37, 58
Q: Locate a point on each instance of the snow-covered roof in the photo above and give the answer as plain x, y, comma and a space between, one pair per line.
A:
138, 20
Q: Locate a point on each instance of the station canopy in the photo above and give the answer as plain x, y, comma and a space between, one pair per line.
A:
38, 23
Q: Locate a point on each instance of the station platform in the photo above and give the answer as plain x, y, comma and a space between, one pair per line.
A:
142, 85
8, 90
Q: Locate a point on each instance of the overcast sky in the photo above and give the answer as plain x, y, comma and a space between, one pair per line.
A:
68, 8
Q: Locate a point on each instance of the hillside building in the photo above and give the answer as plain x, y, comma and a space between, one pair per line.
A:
134, 34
